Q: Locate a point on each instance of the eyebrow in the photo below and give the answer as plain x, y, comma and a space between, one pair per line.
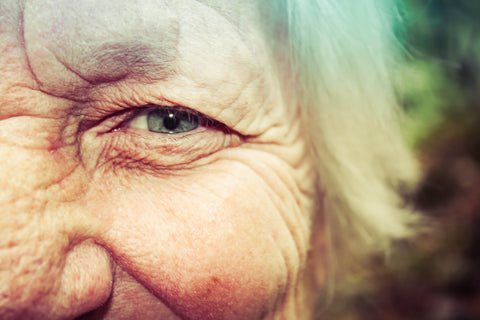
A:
115, 61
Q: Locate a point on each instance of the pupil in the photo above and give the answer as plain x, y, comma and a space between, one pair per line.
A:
171, 122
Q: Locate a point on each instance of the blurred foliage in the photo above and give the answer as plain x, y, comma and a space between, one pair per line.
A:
437, 276
442, 76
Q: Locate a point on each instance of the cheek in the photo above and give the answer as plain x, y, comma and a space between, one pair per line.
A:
218, 244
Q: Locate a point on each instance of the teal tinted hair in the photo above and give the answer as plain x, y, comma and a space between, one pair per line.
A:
341, 55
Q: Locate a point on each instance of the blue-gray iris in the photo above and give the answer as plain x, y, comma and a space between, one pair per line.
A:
171, 121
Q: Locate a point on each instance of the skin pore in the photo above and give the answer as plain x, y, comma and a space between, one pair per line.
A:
102, 218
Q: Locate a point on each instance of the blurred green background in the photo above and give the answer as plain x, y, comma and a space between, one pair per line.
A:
437, 277
441, 79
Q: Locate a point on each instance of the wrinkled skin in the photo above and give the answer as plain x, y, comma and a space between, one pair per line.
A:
104, 219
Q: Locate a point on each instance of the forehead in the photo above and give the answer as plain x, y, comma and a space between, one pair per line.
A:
139, 35
149, 13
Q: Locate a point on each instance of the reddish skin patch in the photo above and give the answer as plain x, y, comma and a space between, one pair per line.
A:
57, 154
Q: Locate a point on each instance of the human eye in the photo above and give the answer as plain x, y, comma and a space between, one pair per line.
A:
167, 120
154, 138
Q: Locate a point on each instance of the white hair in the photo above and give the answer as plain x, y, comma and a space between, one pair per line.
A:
341, 55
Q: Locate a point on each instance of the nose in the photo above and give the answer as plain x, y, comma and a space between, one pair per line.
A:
86, 281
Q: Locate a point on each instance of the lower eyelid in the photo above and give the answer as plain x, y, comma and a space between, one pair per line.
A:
147, 152
130, 151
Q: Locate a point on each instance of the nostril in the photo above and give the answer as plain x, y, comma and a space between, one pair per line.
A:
97, 314
86, 281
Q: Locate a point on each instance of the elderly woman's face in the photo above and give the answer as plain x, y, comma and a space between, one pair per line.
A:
150, 164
